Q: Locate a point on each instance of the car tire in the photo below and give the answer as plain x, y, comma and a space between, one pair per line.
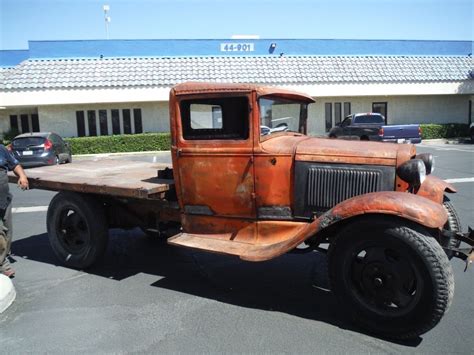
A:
391, 276
77, 229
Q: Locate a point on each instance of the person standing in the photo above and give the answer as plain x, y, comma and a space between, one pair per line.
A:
8, 163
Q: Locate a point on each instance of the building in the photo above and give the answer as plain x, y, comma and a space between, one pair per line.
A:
103, 87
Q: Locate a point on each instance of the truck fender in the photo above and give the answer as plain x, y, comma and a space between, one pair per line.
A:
433, 188
402, 204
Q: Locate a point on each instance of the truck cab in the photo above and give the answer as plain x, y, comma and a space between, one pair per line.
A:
251, 183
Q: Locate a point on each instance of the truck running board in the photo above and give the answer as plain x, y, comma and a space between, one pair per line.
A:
246, 251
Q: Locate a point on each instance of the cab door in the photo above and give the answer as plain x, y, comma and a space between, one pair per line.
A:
213, 160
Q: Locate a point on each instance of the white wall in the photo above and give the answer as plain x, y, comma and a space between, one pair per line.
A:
155, 115
62, 119
400, 109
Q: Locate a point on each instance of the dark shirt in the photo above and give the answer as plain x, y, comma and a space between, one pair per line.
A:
7, 161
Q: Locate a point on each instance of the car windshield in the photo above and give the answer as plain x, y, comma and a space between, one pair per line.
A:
369, 119
27, 142
280, 115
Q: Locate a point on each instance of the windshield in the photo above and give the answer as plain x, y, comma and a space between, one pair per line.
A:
280, 115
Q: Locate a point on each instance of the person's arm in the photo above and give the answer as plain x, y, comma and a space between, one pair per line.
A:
22, 179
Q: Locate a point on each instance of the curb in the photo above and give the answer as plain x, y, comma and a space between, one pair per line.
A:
458, 140
105, 155
7, 292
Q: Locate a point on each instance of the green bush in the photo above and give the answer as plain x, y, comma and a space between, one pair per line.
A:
447, 130
120, 143
9, 135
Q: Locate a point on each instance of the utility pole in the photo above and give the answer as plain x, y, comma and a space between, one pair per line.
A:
106, 19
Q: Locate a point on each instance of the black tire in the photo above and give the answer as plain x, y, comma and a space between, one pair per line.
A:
392, 277
453, 224
77, 229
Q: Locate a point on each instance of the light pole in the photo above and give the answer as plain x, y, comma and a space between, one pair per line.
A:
106, 19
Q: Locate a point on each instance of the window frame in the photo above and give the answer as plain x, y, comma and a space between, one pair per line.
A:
207, 134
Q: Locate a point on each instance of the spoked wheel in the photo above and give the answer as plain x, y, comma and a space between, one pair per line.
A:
392, 277
77, 229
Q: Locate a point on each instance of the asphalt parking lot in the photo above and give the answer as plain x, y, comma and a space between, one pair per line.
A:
150, 297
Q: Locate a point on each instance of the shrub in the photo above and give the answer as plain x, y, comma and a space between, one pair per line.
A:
447, 130
9, 135
120, 143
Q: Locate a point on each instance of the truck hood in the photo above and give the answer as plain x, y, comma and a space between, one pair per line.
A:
353, 152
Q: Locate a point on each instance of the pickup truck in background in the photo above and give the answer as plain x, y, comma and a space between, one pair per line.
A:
371, 127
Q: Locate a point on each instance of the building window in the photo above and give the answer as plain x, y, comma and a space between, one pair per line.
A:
347, 109
91, 121
35, 122
81, 125
328, 115
127, 123
337, 113
104, 129
137, 119
14, 123
102, 124
25, 124
380, 107
115, 122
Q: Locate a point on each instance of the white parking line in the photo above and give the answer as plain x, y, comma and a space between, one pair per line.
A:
453, 181
30, 209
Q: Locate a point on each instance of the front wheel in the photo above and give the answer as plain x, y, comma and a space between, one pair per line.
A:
392, 277
77, 229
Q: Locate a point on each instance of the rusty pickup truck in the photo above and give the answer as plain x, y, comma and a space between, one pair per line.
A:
246, 180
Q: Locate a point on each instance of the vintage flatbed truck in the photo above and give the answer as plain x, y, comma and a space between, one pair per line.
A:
247, 181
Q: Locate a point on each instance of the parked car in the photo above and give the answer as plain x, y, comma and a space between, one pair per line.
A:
40, 148
471, 132
371, 127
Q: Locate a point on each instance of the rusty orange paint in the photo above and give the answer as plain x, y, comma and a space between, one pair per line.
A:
433, 188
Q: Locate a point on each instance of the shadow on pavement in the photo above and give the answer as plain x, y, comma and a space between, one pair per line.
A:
292, 284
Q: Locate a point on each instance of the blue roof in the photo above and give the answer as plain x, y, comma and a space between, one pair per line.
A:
10, 58
232, 48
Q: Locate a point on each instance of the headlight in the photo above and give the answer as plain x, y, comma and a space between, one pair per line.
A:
428, 159
412, 171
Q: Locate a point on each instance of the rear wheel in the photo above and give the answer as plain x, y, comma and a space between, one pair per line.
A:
392, 277
77, 229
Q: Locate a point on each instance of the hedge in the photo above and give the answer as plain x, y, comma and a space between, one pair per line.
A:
448, 130
120, 143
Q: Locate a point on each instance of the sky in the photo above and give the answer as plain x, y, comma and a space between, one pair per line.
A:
24, 20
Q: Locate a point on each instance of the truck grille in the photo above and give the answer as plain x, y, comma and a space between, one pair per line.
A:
319, 186
329, 186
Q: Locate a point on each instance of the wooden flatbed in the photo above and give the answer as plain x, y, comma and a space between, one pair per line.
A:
114, 177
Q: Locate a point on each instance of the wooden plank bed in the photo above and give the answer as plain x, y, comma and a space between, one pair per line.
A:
120, 178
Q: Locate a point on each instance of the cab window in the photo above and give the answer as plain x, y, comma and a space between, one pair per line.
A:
219, 118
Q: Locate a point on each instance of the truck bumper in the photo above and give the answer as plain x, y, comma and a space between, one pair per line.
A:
463, 253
